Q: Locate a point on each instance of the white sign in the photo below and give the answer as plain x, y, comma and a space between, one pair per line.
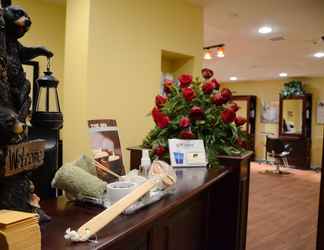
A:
187, 153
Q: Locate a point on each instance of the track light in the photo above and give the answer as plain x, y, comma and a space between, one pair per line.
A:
208, 55
219, 51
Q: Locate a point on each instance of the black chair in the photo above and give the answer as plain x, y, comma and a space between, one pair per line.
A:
279, 151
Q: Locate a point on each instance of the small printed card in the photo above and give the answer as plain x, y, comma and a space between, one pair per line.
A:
187, 153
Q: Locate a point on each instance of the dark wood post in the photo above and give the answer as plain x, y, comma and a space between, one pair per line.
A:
320, 228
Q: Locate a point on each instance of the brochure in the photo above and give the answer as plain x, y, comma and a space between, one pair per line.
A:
187, 153
105, 144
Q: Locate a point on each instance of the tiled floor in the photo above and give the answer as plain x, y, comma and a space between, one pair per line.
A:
282, 210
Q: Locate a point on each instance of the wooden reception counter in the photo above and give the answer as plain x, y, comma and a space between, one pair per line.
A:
204, 213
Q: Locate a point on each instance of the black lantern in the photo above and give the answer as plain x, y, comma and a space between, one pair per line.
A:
47, 111
47, 120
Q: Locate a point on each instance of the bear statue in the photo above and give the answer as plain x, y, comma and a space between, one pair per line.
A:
16, 192
11, 129
17, 23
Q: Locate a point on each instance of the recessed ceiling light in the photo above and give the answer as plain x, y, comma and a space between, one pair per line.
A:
319, 54
265, 30
233, 78
283, 74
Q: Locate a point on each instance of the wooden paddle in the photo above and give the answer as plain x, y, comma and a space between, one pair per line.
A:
91, 227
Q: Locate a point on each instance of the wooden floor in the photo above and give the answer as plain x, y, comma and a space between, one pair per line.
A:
283, 210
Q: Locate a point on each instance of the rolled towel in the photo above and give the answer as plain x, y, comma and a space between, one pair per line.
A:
87, 164
78, 182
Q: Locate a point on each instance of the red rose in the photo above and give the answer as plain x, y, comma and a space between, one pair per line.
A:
242, 143
216, 83
186, 134
156, 114
239, 121
208, 88
218, 99
207, 73
185, 80
160, 119
226, 94
184, 122
168, 84
159, 150
188, 94
164, 121
228, 116
234, 107
160, 100
196, 113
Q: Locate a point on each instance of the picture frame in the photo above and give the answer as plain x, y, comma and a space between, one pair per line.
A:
320, 112
269, 112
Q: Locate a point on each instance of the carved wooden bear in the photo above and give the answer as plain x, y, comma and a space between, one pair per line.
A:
17, 23
16, 192
11, 131
11, 128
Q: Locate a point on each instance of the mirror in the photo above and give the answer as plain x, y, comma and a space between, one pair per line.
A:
247, 104
243, 111
292, 116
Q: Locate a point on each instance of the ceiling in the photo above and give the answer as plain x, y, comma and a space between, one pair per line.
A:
252, 56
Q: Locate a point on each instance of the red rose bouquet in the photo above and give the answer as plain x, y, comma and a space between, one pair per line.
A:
195, 109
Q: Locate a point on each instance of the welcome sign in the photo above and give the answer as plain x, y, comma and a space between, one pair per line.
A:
24, 157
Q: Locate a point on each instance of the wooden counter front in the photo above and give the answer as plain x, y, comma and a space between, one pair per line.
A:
193, 218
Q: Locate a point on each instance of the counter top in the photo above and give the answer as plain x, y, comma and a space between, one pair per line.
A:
65, 214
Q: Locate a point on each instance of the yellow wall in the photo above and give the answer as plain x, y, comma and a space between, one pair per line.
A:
48, 29
269, 91
126, 39
75, 78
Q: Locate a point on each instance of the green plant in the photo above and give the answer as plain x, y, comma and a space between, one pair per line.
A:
293, 88
197, 109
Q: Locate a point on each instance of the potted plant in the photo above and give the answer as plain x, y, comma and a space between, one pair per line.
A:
197, 109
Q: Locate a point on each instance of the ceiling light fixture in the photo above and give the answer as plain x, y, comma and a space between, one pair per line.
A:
319, 54
219, 51
208, 55
233, 78
265, 30
283, 74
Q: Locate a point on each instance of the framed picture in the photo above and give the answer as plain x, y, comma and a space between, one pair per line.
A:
105, 145
270, 112
320, 112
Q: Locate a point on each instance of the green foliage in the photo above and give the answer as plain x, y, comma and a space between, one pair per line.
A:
293, 88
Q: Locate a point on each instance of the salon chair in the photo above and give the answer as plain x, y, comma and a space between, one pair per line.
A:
279, 151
